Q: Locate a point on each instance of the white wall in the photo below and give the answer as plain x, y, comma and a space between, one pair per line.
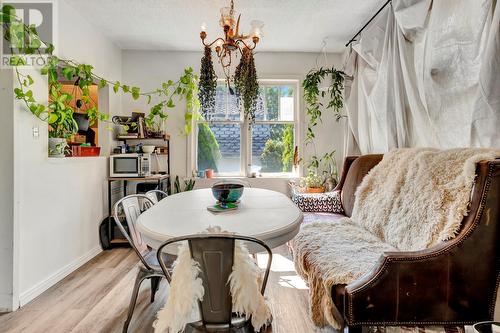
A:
59, 202
148, 69
6, 190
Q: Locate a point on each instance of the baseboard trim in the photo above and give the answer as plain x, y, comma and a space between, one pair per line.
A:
42, 286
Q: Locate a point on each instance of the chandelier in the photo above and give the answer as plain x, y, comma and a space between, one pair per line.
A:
234, 41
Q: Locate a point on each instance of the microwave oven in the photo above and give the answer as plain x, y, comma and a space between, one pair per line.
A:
130, 165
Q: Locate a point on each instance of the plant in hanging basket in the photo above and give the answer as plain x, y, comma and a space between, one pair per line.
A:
313, 96
207, 84
246, 83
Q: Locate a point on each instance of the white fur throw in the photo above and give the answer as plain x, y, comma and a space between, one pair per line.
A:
416, 198
245, 288
412, 200
186, 289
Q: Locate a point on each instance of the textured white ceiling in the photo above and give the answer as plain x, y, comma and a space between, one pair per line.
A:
290, 25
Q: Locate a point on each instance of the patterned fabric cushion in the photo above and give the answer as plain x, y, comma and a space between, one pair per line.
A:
318, 202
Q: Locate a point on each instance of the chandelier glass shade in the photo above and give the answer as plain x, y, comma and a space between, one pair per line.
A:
233, 41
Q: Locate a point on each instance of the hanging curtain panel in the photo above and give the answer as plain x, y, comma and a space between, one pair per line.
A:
426, 73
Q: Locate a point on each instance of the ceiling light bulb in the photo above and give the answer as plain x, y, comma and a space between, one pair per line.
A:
219, 42
204, 27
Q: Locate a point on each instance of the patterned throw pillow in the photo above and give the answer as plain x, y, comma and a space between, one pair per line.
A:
318, 202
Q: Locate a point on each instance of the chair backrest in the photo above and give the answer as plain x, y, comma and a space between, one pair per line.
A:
215, 254
156, 195
131, 209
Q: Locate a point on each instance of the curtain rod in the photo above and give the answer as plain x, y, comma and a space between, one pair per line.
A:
366, 24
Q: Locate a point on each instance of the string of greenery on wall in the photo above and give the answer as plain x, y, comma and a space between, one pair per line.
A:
59, 114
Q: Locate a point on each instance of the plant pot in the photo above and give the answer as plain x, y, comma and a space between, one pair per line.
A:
209, 173
315, 189
57, 147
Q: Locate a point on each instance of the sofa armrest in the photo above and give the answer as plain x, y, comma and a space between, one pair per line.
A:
403, 287
454, 282
345, 168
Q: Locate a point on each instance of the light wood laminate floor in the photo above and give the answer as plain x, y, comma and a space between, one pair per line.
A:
95, 299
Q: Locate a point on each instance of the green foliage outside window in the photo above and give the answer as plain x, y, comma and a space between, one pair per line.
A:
208, 148
272, 156
288, 148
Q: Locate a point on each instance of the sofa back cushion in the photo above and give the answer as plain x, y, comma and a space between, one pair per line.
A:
357, 171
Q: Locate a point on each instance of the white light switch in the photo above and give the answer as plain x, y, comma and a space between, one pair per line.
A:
36, 132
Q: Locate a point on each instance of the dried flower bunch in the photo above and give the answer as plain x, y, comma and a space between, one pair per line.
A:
246, 83
207, 85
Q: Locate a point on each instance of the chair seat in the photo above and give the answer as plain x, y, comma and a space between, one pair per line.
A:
150, 257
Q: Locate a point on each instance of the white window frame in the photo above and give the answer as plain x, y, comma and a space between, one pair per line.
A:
246, 135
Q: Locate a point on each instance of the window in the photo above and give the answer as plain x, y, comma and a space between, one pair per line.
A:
232, 146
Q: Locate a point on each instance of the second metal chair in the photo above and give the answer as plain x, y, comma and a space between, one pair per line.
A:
129, 208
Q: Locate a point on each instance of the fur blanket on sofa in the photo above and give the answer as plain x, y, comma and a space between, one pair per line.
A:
412, 200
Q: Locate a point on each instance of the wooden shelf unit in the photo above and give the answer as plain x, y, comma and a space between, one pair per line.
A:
165, 138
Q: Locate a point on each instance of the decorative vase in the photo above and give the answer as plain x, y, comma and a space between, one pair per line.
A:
330, 184
57, 147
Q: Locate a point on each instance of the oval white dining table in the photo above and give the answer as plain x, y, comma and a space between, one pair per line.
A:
264, 214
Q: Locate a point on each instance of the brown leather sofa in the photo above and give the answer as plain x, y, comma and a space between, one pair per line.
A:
454, 283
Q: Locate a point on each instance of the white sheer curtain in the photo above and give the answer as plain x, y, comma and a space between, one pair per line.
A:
426, 73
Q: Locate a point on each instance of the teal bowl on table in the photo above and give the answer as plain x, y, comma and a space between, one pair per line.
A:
227, 193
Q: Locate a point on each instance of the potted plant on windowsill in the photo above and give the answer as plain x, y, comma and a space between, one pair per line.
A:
312, 183
62, 125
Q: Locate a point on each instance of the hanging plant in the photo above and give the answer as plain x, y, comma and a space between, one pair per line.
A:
207, 85
246, 84
313, 96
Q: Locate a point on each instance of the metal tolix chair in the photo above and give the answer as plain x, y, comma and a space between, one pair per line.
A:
215, 254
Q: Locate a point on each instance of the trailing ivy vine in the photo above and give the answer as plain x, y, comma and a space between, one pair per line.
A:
246, 83
207, 85
313, 96
59, 114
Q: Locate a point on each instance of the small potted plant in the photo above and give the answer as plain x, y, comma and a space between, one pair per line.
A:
312, 183
331, 174
62, 125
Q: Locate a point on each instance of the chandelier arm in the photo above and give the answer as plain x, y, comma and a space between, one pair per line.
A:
215, 41
246, 45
